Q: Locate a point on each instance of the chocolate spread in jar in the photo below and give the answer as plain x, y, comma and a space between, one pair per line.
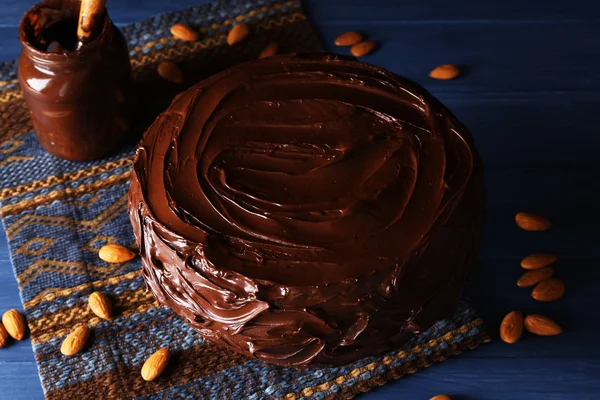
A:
82, 101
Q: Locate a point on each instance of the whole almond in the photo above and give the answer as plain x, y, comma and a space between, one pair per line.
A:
445, 71
511, 327
542, 326
115, 253
75, 341
170, 71
269, 51
184, 32
3, 335
538, 260
238, 33
156, 364
363, 48
348, 39
548, 290
100, 304
441, 397
14, 323
532, 222
534, 277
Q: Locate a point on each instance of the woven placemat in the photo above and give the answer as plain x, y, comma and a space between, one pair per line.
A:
57, 214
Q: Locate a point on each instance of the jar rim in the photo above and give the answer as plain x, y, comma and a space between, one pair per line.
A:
35, 53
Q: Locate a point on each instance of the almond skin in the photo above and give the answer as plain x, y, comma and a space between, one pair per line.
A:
170, 71
542, 326
548, 290
14, 323
238, 33
3, 336
441, 397
184, 32
269, 51
511, 327
76, 341
156, 364
348, 39
531, 278
115, 253
532, 222
363, 48
538, 260
100, 305
445, 72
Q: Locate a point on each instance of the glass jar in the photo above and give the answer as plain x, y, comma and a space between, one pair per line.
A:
82, 102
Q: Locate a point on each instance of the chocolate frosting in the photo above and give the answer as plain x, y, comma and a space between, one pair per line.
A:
307, 209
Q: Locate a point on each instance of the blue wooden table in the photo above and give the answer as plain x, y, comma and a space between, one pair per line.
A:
530, 93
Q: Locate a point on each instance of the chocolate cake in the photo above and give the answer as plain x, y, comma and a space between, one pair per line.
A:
307, 209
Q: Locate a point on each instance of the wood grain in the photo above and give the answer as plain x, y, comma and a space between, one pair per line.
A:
529, 94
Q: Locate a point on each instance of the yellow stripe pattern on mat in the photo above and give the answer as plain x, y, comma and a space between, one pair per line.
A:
138, 301
227, 22
56, 179
310, 391
67, 192
54, 293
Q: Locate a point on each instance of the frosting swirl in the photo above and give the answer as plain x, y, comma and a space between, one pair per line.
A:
307, 209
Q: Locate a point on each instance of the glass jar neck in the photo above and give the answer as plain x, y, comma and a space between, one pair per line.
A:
27, 36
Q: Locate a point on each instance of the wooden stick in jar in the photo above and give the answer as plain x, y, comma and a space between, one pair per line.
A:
91, 16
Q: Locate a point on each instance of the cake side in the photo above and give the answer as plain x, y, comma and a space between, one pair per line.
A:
307, 209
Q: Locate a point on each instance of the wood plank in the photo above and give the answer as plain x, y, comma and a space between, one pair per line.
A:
10, 48
122, 12
19, 381
472, 11
529, 95
504, 57
515, 132
498, 379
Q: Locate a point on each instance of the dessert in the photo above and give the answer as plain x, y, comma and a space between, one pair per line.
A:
307, 210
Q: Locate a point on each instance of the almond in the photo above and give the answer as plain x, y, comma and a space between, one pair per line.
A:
269, 51
348, 39
548, 290
170, 71
532, 222
538, 260
114, 253
3, 335
100, 305
156, 364
540, 325
441, 397
238, 33
14, 323
75, 341
184, 32
511, 327
363, 48
534, 277
444, 72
